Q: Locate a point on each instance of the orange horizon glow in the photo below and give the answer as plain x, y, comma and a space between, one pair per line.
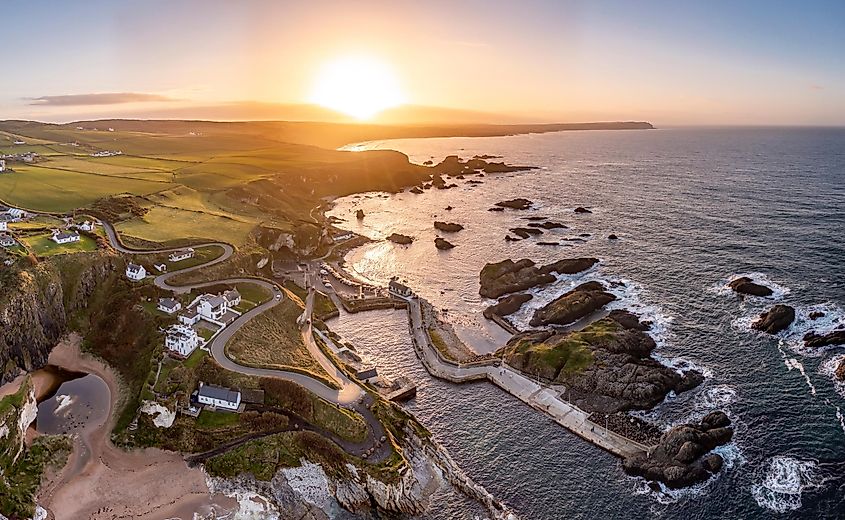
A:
359, 86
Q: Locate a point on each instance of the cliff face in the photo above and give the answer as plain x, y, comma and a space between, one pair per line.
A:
34, 311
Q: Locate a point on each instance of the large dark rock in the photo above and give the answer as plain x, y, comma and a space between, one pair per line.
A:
775, 319
507, 276
745, 285
525, 232
815, 340
497, 208
507, 305
580, 209
509, 238
454, 166
397, 238
416, 190
449, 227
570, 307
443, 244
515, 204
359, 214
547, 225
682, 458
606, 367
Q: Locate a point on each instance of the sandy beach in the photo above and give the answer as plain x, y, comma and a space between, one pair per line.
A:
114, 483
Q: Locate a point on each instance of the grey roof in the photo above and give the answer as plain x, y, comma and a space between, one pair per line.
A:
170, 303
232, 295
133, 267
66, 234
219, 392
215, 301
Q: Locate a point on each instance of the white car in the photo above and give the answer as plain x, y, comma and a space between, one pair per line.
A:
323, 272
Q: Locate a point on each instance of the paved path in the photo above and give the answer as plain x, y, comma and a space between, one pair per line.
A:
525, 389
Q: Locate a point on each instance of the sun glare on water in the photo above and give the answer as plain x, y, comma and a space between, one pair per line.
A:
358, 86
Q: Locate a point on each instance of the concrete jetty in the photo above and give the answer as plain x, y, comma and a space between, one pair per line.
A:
537, 396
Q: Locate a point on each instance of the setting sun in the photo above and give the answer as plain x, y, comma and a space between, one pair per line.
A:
359, 86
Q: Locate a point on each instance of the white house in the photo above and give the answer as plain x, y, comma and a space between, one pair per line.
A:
182, 254
2, 165
65, 237
233, 298
190, 316
182, 339
212, 307
135, 272
6, 240
218, 397
3, 225
399, 289
87, 226
160, 267
169, 305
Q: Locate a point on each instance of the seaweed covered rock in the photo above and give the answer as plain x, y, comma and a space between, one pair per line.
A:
607, 366
682, 458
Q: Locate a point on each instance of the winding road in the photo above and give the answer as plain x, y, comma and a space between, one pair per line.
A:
348, 394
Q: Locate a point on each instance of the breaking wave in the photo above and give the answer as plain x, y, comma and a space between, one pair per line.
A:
778, 291
829, 367
782, 482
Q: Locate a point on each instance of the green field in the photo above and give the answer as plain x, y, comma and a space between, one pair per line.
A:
163, 223
43, 245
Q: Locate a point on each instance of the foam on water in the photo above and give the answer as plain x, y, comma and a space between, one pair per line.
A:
829, 367
834, 317
62, 403
782, 482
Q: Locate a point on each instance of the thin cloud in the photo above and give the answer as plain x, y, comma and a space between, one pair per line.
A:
112, 98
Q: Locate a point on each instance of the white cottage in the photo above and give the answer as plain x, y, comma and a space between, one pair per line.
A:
182, 340
218, 397
6, 240
135, 272
182, 254
3, 225
399, 289
65, 237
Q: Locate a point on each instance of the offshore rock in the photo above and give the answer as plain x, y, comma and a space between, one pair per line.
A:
397, 238
573, 305
507, 305
582, 210
746, 285
519, 203
815, 340
443, 244
449, 227
681, 458
775, 319
507, 276
525, 232
359, 214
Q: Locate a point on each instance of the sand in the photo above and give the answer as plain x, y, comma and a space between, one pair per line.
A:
113, 483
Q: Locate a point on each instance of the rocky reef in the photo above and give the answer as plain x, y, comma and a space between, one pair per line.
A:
573, 305
507, 276
448, 227
607, 366
815, 340
35, 307
775, 319
746, 285
454, 166
397, 238
507, 305
443, 244
682, 458
519, 203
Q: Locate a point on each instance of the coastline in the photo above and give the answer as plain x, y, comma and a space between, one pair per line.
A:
148, 483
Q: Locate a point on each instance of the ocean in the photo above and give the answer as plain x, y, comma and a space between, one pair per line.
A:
692, 208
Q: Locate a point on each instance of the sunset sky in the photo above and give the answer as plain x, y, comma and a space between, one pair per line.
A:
714, 62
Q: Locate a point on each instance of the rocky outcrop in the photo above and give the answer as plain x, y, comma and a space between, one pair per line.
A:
612, 237
519, 203
443, 244
525, 232
746, 285
607, 366
547, 225
815, 340
454, 166
582, 210
682, 458
448, 227
507, 276
359, 214
507, 305
775, 319
36, 306
397, 238
573, 305
816, 315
